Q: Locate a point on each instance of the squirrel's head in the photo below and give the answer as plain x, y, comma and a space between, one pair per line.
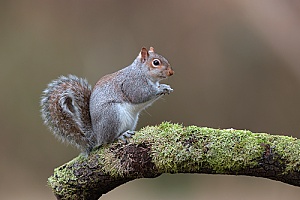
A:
158, 67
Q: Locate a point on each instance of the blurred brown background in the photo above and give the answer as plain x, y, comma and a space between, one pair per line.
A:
237, 65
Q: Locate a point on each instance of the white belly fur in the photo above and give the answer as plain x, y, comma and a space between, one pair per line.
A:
129, 114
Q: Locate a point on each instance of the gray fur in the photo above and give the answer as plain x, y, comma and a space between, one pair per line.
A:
87, 119
115, 104
62, 105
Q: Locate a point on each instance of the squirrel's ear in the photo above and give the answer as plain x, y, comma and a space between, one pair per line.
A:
143, 55
151, 49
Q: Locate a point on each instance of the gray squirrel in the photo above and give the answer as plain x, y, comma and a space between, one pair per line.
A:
88, 118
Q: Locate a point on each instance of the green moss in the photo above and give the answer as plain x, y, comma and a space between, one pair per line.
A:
289, 149
183, 149
175, 148
111, 164
63, 175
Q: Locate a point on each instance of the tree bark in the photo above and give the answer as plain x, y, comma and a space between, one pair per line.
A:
172, 148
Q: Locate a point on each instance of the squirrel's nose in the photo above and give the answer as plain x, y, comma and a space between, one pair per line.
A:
170, 71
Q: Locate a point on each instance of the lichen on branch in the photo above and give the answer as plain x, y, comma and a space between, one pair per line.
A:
173, 148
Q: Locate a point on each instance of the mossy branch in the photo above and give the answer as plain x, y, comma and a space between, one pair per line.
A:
172, 148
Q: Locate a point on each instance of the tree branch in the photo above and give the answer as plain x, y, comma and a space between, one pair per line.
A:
172, 148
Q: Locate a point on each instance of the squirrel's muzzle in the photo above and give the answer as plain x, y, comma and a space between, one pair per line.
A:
170, 71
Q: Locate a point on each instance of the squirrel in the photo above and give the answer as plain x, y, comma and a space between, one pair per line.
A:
89, 118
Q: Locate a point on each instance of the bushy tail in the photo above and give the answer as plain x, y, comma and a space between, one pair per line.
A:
65, 110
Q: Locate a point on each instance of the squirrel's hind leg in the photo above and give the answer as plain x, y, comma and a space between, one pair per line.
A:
127, 134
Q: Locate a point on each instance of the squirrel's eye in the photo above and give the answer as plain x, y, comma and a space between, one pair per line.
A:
156, 63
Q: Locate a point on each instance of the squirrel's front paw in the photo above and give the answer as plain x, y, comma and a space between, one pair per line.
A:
165, 89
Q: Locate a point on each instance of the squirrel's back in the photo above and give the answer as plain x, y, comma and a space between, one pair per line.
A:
65, 110
90, 118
